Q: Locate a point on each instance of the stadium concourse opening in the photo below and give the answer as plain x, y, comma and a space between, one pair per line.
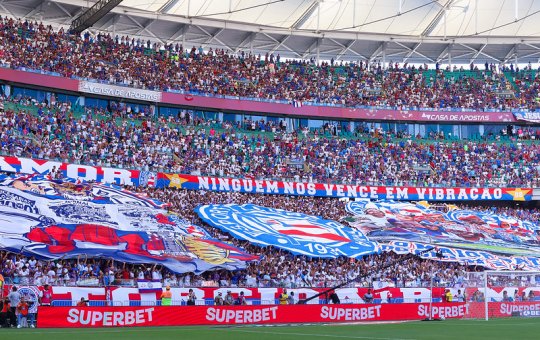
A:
219, 165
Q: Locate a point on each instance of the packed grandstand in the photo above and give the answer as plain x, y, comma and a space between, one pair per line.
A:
103, 194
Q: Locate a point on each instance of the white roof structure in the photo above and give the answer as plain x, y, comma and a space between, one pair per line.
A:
417, 31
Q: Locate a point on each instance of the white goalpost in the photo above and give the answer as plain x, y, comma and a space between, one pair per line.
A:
498, 294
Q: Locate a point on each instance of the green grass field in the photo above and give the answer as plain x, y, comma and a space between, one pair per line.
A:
511, 328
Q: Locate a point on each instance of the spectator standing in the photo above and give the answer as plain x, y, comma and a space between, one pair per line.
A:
229, 301
191, 298
460, 297
166, 297
448, 295
283, 297
45, 295
218, 300
22, 314
4, 313
241, 300
368, 297
82, 303
291, 300
14, 299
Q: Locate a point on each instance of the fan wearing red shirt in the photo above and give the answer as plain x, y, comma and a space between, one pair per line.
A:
45, 295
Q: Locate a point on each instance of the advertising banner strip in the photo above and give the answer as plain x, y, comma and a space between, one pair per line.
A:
304, 110
77, 317
533, 117
247, 105
341, 190
164, 180
219, 315
39, 79
101, 89
382, 292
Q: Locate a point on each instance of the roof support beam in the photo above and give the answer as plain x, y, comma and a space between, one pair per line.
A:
89, 17
412, 51
533, 46
511, 53
315, 45
167, 6
345, 49
34, 11
530, 55
109, 23
145, 28
462, 55
306, 15
480, 52
279, 43
379, 49
180, 32
396, 54
248, 38
7, 10
444, 53
63, 9
438, 17
214, 37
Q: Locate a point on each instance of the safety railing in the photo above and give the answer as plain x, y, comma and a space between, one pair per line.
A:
249, 301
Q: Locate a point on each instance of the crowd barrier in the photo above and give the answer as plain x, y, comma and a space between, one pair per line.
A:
132, 297
75, 317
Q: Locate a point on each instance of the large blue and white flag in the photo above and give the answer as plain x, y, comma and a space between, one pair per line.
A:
392, 221
296, 232
62, 219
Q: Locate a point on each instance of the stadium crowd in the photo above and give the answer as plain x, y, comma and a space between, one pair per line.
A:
276, 268
171, 67
117, 137
182, 144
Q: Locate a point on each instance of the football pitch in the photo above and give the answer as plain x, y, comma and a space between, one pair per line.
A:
511, 328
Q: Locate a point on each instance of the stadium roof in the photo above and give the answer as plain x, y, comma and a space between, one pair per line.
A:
416, 31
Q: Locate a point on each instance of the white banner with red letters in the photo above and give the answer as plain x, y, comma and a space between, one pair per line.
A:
22, 165
125, 296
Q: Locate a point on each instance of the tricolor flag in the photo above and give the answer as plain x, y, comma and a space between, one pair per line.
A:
149, 286
296, 103
152, 180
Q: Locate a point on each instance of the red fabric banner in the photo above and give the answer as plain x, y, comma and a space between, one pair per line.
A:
76, 317
238, 315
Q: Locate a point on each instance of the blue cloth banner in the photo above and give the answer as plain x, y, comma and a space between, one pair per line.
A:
64, 219
298, 233
466, 257
416, 222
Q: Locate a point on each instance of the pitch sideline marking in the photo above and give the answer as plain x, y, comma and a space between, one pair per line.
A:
320, 335
104, 331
